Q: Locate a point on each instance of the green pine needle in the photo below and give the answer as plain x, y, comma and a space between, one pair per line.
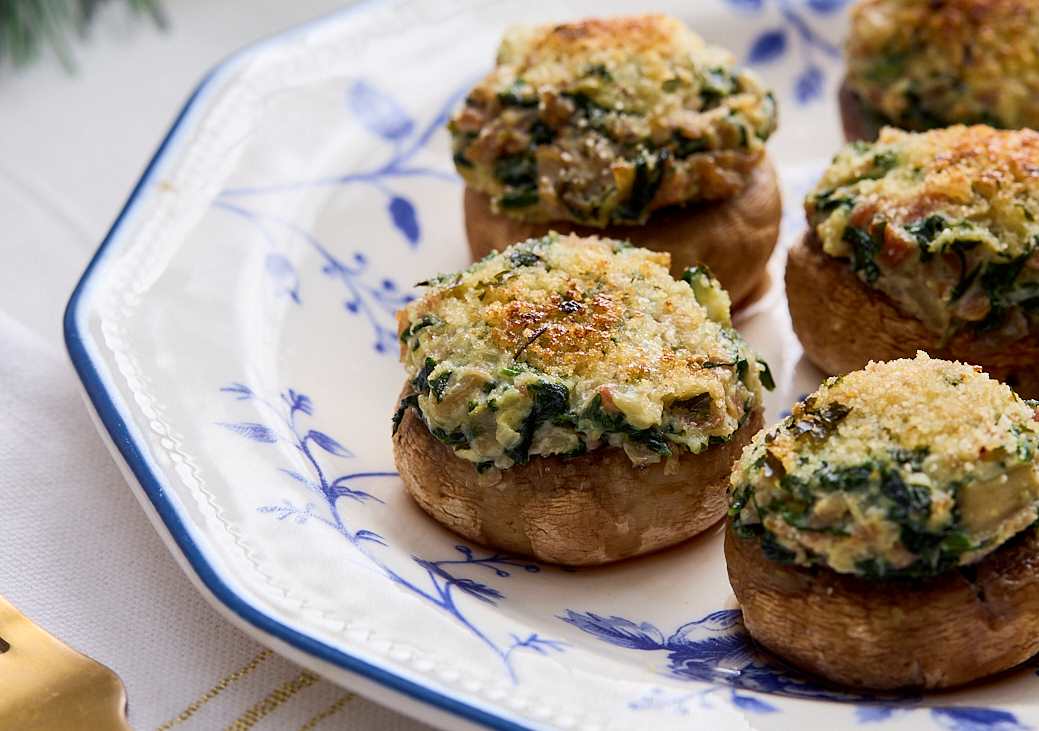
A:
29, 26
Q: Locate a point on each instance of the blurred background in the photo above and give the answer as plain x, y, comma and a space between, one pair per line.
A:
88, 88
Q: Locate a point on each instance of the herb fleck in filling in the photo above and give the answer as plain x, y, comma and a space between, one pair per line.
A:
561, 345
907, 468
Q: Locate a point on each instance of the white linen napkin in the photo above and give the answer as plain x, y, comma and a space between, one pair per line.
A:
78, 557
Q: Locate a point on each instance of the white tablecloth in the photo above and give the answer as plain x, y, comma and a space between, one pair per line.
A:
79, 556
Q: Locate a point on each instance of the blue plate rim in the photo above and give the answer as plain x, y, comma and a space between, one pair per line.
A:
152, 484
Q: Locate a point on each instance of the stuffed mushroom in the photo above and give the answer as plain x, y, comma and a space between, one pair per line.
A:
628, 127
922, 64
567, 399
884, 534
924, 241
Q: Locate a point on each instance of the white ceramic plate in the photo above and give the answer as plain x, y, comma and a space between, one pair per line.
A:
235, 337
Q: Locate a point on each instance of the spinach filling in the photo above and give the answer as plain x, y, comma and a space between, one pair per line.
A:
925, 231
818, 424
881, 482
614, 422
715, 85
518, 171
409, 336
649, 174
551, 402
520, 94
998, 280
519, 174
864, 249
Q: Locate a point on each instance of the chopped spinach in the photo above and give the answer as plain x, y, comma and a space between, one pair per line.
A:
912, 458
518, 199
541, 133
649, 174
421, 324
999, 277
887, 68
421, 380
818, 424
773, 550
438, 385
517, 170
828, 201
765, 374
518, 173
966, 280
577, 451
452, 439
697, 274
653, 439
960, 249
684, 146
549, 400
925, 231
588, 108
917, 115
461, 160
883, 162
520, 94
846, 479
697, 408
523, 258
716, 84
614, 421
908, 502
864, 250
408, 402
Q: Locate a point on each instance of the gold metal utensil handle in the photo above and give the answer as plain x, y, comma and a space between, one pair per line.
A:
45, 685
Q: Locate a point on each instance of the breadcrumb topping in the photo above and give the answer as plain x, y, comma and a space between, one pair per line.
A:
561, 345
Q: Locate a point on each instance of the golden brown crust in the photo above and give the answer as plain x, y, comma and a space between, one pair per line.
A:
931, 633
637, 34
858, 122
843, 324
581, 511
734, 238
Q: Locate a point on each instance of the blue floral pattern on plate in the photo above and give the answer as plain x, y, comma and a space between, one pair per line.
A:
795, 29
443, 584
376, 301
717, 649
